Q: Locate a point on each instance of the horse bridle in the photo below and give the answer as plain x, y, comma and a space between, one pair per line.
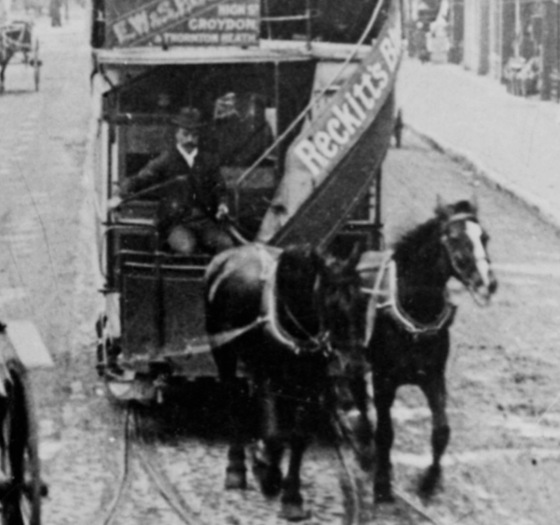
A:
463, 216
322, 340
314, 343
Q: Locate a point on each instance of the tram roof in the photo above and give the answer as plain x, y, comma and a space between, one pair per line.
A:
267, 51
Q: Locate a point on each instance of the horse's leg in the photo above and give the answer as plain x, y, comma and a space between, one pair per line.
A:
363, 429
267, 455
2, 72
226, 361
435, 392
383, 398
292, 500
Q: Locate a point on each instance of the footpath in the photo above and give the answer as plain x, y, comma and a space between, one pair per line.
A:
513, 142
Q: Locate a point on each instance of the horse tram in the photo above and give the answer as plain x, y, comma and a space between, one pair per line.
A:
300, 107
297, 104
18, 46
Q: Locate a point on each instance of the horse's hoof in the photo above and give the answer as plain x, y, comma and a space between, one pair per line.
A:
294, 512
429, 482
269, 478
235, 480
366, 458
383, 493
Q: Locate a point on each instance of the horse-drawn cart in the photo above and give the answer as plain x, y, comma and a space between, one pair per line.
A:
21, 486
301, 119
19, 46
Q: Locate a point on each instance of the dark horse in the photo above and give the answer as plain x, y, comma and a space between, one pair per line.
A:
281, 314
410, 339
13, 38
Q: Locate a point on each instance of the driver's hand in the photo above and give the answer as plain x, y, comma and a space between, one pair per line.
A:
223, 211
114, 202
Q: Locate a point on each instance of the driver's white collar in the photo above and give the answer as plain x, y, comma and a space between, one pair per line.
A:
189, 157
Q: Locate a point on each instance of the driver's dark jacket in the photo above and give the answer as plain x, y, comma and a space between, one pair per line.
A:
196, 195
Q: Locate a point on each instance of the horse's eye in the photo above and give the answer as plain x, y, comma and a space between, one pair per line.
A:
454, 235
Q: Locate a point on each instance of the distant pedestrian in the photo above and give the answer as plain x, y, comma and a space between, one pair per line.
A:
55, 7
397, 130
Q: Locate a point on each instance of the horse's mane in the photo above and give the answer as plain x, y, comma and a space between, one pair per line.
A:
412, 243
421, 238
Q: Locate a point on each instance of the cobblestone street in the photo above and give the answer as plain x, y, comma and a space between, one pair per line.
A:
502, 465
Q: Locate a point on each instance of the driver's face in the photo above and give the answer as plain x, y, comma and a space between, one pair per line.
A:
187, 138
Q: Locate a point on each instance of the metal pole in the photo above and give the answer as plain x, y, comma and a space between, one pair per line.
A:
517, 40
308, 23
377, 237
276, 152
159, 300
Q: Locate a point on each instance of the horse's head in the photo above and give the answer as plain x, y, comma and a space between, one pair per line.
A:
343, 302
465, 242
320, 297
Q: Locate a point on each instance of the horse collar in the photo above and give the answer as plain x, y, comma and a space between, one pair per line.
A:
268, 318
385, 293
272, 324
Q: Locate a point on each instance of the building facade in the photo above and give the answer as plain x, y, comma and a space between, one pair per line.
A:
489, 36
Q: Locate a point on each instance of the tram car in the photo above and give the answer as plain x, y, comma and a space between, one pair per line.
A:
297, 99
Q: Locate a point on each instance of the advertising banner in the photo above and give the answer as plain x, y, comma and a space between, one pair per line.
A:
182, 22
318, 159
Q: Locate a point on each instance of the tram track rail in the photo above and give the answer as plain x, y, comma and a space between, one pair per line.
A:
137, 447
354, 501
140, 449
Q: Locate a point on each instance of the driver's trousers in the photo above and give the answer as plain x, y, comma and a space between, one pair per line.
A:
203, 234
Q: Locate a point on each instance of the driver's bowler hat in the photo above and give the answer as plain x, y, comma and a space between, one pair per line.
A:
188, 118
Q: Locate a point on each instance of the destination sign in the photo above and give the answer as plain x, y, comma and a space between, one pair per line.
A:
183, 22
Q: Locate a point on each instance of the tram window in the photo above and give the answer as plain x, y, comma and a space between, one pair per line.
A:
242, 130
141, 142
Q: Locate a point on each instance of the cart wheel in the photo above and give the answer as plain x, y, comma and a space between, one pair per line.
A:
36, 65
21, 487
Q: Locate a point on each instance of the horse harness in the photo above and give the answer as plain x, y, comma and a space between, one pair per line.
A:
268, 319
7, 42
5, 376
384, 298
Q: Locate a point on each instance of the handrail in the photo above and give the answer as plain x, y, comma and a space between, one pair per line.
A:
290, 18
315, 99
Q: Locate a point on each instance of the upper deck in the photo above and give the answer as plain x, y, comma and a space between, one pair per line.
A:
163, 25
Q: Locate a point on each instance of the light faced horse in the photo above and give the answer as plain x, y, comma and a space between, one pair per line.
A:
279, 313
410, 339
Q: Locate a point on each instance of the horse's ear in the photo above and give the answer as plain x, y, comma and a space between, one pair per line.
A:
474, 202
442, 207
355, 256
440, 204
348, 264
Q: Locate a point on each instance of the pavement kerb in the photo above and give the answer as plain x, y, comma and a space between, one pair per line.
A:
542, 208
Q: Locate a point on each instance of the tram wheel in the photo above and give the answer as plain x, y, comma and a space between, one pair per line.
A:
21, 488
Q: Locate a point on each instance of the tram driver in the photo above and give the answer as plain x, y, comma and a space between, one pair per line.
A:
193, 192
